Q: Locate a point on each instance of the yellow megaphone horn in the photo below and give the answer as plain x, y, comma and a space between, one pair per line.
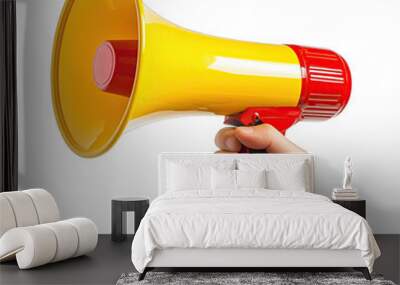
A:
116, 61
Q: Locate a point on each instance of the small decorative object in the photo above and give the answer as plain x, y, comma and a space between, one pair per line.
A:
348, 173
346, 192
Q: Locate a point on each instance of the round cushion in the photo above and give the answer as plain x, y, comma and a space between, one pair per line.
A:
46, 206
23, 208
67, 240
33, 246
87, 233
7, 220
37, 245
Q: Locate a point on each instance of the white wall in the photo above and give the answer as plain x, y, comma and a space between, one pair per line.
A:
364, 32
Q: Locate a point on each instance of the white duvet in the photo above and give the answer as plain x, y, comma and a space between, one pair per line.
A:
250, 219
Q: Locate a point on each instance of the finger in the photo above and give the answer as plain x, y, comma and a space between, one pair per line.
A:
226, 140
266, 137
224, 152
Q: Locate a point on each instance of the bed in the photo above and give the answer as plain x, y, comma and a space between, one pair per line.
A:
247, 211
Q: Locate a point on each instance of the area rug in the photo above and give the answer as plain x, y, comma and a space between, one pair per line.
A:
244, 278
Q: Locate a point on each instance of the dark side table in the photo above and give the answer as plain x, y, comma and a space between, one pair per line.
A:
119, 207
357, 206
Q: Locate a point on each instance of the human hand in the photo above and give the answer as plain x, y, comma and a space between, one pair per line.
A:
264, 137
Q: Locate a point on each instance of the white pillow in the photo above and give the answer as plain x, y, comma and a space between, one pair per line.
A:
223, 179
182, 177
251, 178
291, 178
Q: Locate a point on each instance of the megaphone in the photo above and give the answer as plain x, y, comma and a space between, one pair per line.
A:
117, 62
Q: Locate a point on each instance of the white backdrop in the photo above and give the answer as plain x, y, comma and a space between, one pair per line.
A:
364, 32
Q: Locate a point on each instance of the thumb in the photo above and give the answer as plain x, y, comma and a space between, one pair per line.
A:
266, 137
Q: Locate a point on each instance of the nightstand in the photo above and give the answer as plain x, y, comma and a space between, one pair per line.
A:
357, 206
119, 207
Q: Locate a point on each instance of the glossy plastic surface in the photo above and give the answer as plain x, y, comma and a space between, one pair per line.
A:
89, 119
114, 66
184, 70
326, 85
170, 69
325, 91
177, 70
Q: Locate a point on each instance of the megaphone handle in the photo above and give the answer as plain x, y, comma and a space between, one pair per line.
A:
279, 117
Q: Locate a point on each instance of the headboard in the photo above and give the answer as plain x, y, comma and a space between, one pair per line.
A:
211, 159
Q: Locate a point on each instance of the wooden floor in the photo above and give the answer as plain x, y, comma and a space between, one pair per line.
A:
110, 260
